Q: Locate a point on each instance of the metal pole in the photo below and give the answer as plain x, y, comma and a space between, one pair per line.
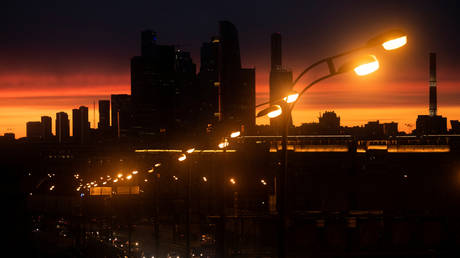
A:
282, 184
189, 210
156, 225
221, 208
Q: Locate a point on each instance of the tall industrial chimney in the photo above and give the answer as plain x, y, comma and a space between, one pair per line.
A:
433, 97
276, 51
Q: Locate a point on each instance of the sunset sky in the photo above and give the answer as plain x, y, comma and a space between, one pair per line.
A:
58, 55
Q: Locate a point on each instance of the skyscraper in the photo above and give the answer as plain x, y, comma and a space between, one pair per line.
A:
46, 123
62, 127
280, 78
80, 124
121, 113
153, 85
236, 84
104, 114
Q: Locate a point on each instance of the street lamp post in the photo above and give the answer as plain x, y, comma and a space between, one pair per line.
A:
390, 40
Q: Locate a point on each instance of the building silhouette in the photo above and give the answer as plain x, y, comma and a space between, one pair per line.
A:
237, 86
122, 112
153, 85
46, 122
209, 82
280, 78
432, 123
62, 127
34, 130
104, 114
455, 124
329, 123
80, 124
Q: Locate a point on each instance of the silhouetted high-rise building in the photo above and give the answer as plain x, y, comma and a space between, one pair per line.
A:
104, 114
46, 123
121, 113
62, 127
80, 124
153, 85
34, 130
432, 123
280, 78
209, 81
248, 97
235, 83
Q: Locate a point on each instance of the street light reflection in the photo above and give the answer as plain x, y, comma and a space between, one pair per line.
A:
182, 157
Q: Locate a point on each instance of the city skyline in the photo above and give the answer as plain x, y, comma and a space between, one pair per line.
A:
397, 92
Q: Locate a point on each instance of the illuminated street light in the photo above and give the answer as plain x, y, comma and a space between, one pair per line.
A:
362, 66
175, 178
145, 180
232, 180
119, 175
157, 165
182, 157
263, 182
271, 111
205, 179
395, 43
223, 144
115, 180
275, 112
235, 134
128, 177
135, 172
390, 40
150, 170
190, 150
291, 97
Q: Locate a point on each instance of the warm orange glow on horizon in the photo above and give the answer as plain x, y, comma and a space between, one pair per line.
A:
357, 100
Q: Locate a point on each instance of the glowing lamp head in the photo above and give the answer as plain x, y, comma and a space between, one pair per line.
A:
291, 97
395, 43
232, 181
362, 66
367, 66
390, 40
135, 172
182, 157
235, 134
275, 112
223, 144
190, 150
129, 177
157, 165
119, 175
